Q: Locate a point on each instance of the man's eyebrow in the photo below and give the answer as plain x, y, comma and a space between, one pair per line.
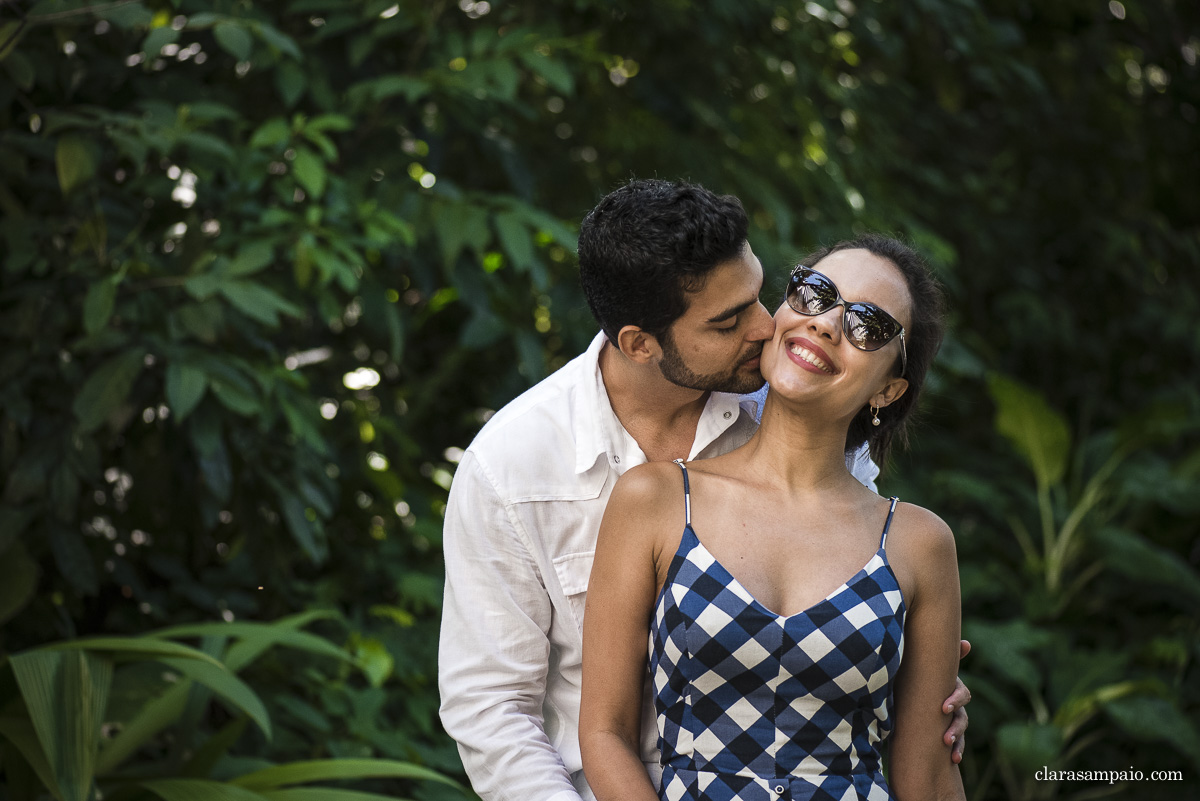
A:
732, 311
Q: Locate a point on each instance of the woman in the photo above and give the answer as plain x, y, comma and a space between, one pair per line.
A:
779, 616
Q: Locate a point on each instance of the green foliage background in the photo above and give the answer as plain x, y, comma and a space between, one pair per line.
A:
266, 267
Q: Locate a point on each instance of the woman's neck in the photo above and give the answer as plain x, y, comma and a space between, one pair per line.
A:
802, 452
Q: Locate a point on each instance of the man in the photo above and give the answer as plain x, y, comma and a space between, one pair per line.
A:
660, 382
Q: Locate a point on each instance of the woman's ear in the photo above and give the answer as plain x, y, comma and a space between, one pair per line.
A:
891, 392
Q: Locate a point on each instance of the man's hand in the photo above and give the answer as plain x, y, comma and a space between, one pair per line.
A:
955, 736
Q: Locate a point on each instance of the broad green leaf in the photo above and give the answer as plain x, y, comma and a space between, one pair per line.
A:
310, 171
19, 68
324, 794
1038, 432
227, 686
412, 88
273, 132
258, 302
1007, 647
107, 388
291, 82
10, 36
375, 660
1029, 746
18, 580
234, 38
66, 694
199, 790
516, 239
235, 398
279, 40
1135, 557
159, 38
134, 648
1156, 720
252, 258
259, 635
72, 558
330, 769
551, 70
460, 225
151, 719
215, 748
301, 528
330, 122
208, 143
74, 161
98, 305
20, 732
185, 388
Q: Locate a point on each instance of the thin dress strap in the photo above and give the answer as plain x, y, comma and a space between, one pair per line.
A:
687, 495
887, 524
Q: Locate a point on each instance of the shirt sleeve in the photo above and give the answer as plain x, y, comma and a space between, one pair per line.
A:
863, 468
494, 648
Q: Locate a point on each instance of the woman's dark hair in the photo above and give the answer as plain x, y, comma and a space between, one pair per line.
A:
649, 242
922, 338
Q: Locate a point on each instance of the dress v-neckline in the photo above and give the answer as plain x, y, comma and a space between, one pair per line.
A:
845, 585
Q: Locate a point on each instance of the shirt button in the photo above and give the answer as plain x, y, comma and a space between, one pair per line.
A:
728, 415
779, 788
617, 459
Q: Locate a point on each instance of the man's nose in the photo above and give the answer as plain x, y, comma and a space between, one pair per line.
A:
763, 325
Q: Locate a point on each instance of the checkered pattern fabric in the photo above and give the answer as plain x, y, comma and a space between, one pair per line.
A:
755, 706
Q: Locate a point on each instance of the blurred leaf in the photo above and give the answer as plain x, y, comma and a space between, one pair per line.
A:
226, 686
258, 302
107, 388
21, 733
74, 161
1038, 432
72, 558
66, 694
198, 790
154, 717
1135, 557
273, 132
329, 769
134, 648
279, 40
1028, 747
159, 38
234, 39
185, 389
98, 305
310, 172
374, 660
18, 580
1156, 720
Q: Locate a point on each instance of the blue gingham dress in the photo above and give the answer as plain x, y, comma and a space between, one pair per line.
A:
755, 706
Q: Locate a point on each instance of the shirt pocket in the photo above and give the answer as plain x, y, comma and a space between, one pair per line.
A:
573, 571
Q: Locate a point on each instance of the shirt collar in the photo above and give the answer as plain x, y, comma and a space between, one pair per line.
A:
598, 432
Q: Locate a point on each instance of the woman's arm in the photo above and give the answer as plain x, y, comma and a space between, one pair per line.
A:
919, 766
616, 628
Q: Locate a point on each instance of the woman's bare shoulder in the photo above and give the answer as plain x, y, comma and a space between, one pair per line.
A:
920, 533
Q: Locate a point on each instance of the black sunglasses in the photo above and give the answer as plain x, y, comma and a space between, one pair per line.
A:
865, 325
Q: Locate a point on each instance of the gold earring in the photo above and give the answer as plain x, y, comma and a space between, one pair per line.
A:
875, 415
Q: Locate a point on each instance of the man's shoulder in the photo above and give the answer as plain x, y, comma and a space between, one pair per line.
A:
537, 430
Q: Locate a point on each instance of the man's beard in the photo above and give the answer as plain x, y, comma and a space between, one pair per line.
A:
678, 373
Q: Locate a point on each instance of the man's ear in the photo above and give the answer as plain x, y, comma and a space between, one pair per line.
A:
638, 345
891, 392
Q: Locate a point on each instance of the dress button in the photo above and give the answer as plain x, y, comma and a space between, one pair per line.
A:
617, 459
728, 415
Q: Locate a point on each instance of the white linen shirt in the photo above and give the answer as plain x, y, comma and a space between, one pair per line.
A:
519, 537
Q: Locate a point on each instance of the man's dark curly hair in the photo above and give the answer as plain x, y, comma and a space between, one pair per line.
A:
649, 242
922, 339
